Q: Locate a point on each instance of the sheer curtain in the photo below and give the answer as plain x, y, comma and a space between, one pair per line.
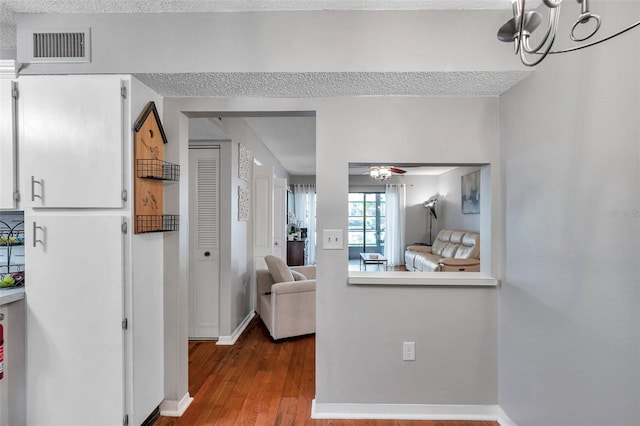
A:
304, 197
395, 224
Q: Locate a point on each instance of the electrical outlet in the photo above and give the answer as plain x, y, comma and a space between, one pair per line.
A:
408, 351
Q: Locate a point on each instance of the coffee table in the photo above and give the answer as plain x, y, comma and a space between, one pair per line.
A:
372, 259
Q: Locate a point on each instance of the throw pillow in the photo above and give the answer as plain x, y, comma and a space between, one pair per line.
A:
298, 276
278, 269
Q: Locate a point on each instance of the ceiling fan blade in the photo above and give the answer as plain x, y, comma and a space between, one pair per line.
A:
397, 170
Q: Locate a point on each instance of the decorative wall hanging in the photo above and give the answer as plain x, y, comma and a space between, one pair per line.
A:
471, 193
244, 162
150, 172
243, 204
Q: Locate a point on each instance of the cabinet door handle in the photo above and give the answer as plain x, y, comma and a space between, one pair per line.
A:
33, 188
35, 238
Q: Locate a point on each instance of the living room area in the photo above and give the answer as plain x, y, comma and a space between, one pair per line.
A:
396, 217
393, 220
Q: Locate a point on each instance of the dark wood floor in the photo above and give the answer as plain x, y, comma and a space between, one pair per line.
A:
259, 382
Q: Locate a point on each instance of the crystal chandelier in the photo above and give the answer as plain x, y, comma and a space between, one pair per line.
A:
380, 172
519, 28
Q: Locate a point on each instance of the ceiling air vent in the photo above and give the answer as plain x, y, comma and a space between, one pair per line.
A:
61, 46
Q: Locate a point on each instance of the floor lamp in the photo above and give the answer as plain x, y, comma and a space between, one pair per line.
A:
430, 205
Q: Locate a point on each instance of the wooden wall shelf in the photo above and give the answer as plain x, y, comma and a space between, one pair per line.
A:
151, 171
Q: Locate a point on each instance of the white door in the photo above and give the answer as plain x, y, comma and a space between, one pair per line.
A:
280, 218
263, 235
74, 313
71, 141
204, 253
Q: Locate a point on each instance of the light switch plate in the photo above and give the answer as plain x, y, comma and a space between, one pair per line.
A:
332, 239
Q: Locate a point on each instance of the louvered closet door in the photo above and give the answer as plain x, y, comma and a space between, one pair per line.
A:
204, 274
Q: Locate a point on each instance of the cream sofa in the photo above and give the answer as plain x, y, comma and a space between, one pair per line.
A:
287, 308
452, 251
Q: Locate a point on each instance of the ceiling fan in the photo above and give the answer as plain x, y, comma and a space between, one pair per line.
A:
384, 172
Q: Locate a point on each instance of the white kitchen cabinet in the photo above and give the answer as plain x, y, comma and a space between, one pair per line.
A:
84, 276
75, 341
71, 141
8, 164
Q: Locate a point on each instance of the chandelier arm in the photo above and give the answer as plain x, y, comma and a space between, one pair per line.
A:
602, 40
553, 17
519, 8
552, 3
544, 54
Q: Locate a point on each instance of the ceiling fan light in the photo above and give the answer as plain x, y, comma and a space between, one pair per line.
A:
380, 172
385, 173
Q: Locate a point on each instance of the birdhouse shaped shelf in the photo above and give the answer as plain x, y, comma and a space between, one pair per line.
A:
150, 172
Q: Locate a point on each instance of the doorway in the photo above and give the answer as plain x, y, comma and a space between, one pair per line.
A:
204, 247
366, 223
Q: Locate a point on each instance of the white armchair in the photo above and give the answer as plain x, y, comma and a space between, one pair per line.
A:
286, 298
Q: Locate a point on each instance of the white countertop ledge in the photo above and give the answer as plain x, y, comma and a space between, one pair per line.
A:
8, 295
435, 279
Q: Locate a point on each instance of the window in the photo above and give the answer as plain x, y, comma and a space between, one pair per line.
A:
366, 223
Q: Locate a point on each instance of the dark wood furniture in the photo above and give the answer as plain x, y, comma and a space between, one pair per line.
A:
295, 252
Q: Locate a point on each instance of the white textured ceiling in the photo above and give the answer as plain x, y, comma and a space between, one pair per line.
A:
324, 84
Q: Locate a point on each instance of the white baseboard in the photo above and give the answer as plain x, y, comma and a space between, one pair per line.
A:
172, 408
404, 411
504, 420
230, 340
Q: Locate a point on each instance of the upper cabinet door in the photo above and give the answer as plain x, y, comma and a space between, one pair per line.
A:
71, 141
7, 145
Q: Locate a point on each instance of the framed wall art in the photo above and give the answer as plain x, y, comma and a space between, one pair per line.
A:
243, 204
244, 162
471, 193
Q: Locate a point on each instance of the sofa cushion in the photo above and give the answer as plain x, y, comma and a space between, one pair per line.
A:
426, 263
278, 269
441, 242
470, 247
449, 250
456, 237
